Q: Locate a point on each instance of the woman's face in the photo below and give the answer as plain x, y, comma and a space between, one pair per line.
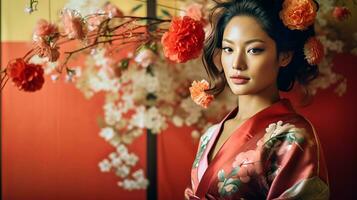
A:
248, 57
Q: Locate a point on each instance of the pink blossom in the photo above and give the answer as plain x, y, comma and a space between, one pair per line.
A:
45, 30
94, 21
112, 10
145, 57
73, 24
46, 50
341, 13
249, 165
194, 11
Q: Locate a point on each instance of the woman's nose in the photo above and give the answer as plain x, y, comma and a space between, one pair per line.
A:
239, 62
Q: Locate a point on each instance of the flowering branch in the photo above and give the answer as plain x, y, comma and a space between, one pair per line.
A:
95, 30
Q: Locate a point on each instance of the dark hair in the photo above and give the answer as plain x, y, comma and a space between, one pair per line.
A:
266, 12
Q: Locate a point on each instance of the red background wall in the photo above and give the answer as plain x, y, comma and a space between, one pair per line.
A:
51, 147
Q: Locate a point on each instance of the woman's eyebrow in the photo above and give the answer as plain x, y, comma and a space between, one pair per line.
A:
246, 42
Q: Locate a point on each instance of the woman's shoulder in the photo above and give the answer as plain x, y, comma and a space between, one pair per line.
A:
294, 128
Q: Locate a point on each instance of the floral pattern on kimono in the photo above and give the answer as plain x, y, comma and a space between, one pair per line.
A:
274, 155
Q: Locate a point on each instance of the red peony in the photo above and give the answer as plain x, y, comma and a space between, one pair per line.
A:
27, 77
184, 40
341, 13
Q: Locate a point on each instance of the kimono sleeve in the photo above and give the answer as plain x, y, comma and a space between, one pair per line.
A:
296, 168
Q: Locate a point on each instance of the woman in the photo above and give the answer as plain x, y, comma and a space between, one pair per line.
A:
262, 149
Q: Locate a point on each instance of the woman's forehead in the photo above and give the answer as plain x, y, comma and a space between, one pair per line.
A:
243, 29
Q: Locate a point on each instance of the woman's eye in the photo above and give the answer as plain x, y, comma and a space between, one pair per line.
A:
227, 49
255, 50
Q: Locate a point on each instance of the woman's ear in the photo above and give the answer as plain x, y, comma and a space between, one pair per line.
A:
285, 58
217, 59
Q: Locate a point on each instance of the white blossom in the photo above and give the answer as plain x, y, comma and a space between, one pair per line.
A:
122, 171
177, 121
105, 165
107, 133
121, 149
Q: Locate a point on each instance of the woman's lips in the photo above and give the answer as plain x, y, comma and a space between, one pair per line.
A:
239, 79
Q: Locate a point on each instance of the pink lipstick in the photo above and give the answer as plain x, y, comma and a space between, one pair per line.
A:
239, 79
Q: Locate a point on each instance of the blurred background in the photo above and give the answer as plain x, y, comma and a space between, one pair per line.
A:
55, 146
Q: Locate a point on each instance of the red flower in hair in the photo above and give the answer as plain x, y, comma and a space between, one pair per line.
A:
314, 51
298, 14
341, 13
184, 40
27, 77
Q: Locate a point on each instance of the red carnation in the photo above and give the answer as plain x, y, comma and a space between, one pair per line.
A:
341, 13
15, 70
27, 77
184, 40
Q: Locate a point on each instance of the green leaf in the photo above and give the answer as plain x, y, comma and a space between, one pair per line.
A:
235, 171
221, 175
136, 8
166, 13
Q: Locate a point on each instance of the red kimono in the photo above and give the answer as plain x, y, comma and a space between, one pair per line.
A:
275, 154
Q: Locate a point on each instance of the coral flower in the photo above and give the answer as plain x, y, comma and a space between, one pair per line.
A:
341, 13
314, 51
184, 40
298, 14
73, 24
198, 94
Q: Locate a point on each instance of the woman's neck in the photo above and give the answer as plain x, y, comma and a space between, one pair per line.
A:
249, 105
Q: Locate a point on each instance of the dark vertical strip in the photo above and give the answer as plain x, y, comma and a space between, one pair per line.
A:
151, 151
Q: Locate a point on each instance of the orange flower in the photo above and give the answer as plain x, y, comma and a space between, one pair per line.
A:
298, 14
73, 24
184, 40
341, 13
198, 94
314, 51
27, 77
